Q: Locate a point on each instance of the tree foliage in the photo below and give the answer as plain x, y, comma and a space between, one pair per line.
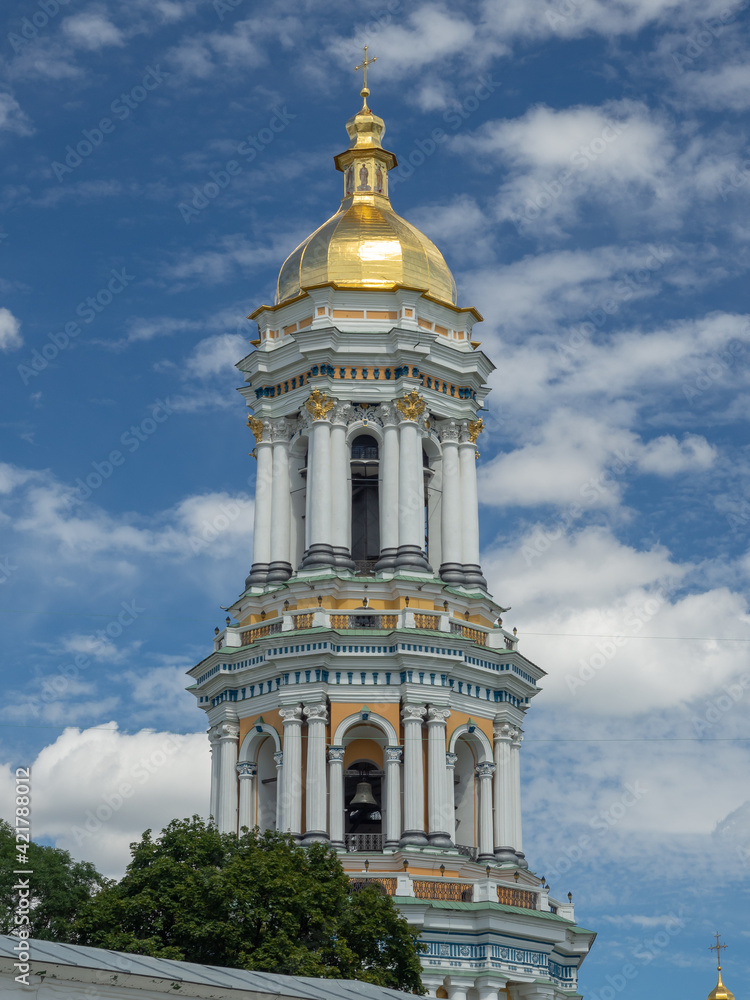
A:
60, 888
258, 901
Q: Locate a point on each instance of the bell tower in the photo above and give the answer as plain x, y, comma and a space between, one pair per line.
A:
365, 692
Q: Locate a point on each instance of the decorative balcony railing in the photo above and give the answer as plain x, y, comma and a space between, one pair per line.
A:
426, 889
364, 621
251, 634
363, 841
427, 621
469, 633
387, 886
472, 853
516, 897
304, 621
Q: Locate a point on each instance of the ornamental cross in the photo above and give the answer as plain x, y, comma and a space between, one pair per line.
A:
363, 66
717, 948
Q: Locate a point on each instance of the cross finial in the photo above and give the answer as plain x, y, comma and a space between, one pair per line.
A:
717, 948
364, 92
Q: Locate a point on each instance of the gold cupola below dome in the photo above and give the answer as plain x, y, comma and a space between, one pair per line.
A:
366, 245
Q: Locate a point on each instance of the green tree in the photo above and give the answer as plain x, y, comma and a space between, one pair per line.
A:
60, 887
258, 901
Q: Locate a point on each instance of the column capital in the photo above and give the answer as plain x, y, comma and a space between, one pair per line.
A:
413, 713
336, 755
291, 715
503, 730
393, 755
341, 412
451, 759
517, 738
280, 430
449, 431
437, 716
485, 769
278, 758
246, 769
224, 731
316, 713
388, 413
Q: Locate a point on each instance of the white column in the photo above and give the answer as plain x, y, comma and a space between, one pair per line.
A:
393, 757
246, 773
504, 831
341, 514
278, 758
281, 567
320, 548
336, 796
451, 568
515, 756
485, 770
291, 785
411, 510
389, 489
263, 507
469, 512
315, 786
213, 738
437, 778
228, 740
458, 990
412, 716
450, 768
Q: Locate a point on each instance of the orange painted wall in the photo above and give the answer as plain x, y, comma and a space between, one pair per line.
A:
367, 749
272, 718
459, 718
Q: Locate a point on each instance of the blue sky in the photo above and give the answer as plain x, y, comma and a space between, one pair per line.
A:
584, 165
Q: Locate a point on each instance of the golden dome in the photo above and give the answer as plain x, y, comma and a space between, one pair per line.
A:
720, 992
366, 244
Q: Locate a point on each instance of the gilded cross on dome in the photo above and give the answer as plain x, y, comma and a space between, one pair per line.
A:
364, 92
717, 948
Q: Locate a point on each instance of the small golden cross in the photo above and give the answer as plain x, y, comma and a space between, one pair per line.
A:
363, 66
717, 948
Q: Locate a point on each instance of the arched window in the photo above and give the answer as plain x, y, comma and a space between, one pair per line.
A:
365, 515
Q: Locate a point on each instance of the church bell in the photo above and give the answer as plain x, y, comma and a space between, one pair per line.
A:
363, 796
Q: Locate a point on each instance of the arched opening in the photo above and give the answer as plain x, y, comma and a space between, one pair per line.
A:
465, 796
363, 804
266, 784
365, 463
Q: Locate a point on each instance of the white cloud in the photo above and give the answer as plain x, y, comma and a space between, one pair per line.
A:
217, 355
727, 87
12, 118
10, 331
92, 30
666, 456
133, 782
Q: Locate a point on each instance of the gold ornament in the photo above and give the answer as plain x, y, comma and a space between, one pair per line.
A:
411, 406
256, 426
319, 405
475, 429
